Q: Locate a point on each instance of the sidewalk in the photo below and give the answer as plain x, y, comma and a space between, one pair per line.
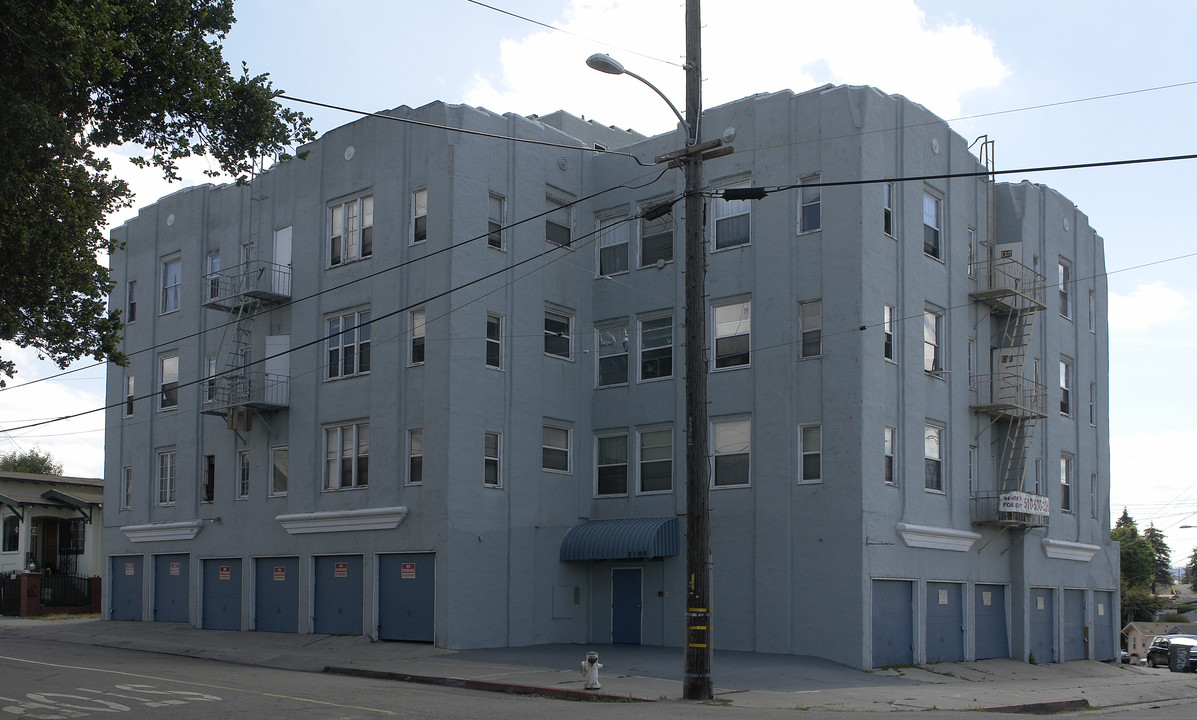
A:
649, 673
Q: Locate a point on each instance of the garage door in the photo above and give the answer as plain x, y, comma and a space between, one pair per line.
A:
1104, 628
893, 622
406, 595
1075, 645
1043, 624
222, 594
125, 578
172, 581
945, 622
989, 611
337, 604
276, 594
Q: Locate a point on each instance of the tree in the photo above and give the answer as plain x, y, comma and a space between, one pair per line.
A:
1162, 557
31, 461
79, 76
1191, 571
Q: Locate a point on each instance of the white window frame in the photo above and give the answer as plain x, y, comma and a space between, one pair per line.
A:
933, 334
887, 210
168, 469
1066, 288
418, 231
655, 232
415, 456
494, 341
1067, 380
209, 386
973, 469
647, 455
244, 475
652, 350
129, 395
614, 244
729, 329
213, 276
1093, 404
208, 480
280, 471
889, 351
810, 323
613, 343
338, 336
557, 211
1067, 474
726, 210
889, 472
496, 221
972, 363
126, 489
553, 448
492, 459
932, 226
417, 347
552, 337
725, 444
1093, 504
600, 466
810, 198
359, 449
350, 229
934, 454
131, 302
1092, 311
172, 282
168, 381
810, 445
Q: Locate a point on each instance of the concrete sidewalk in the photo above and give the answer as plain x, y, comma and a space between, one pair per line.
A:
650, 673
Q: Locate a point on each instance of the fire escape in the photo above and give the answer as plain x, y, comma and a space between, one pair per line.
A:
1015, 295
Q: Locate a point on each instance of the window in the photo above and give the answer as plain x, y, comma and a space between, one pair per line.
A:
811, 318
494, 342
242, 474
496, 217
731, 447
973, 469
810, 448
1038, 476
1092, 311
168, 382
611, 474
733, 324
419, 216
416, 318
932, 335
656, 348
1093, 507
279, 469
347, 456
166, 477
558, 334
972, 252
210, 379
810, 205
731, 222
558, 223
348, 338
555, 448
213, 285
172, 276
490, 459
72, 536
1093, 404
12, 535
612, 355
415, 456
1065, 483
1065, 387
1065, 280
613, 235
656, 460
129, 395
126, 488
931, 216
887, 325
890, 437
351, 230
208, 489
131, 302
887, 209
933, 457
972, 363
656, 240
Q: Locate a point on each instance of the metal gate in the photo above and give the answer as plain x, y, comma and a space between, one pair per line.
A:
125, 593
1076, 643
1104, 628
222, 594
626, 602
989, 610
945, 622
893, 622
406, 597
1043, 624
10, 595
172, 584
337, 603
276, 594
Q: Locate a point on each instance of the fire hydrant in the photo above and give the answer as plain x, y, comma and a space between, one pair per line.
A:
590, 667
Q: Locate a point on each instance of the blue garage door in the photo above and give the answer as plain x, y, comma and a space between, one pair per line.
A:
222, 594
1043, 624
276, 594
337, 604
172, 584
1076, 646
893, 622
626, 602
989, 609
945, 622
406, 596
125, 581
1104, 628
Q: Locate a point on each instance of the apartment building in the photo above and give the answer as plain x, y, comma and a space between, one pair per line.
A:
425, 385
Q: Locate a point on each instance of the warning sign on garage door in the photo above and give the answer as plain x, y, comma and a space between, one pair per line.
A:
226, 572
341, 569
280, 573
407, 571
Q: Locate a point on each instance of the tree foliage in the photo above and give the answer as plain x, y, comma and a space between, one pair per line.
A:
1191, 571
1162, 557
79, 76
1137, 558
1139, 604
30, 461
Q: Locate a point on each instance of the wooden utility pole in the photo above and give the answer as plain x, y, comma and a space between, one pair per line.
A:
697, 681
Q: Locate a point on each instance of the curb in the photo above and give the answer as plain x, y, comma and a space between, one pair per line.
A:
1048, 707
485, 685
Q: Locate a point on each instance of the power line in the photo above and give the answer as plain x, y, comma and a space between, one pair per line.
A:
1077, 100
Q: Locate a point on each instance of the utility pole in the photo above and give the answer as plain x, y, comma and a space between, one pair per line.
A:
697, 672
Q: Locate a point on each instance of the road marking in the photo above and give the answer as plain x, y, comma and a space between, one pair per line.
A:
195, 684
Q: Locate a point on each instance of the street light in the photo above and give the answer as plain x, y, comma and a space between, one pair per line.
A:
696, 680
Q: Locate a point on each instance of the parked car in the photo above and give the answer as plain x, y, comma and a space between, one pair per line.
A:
1125, 658
1157, 654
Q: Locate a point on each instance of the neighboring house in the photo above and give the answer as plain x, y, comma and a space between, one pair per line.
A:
51, 523
1140, 634
425, 385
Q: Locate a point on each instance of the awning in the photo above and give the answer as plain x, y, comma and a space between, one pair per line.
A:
82, 501
625, 539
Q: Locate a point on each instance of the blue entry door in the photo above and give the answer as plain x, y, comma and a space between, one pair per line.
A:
124, 579
172, 583
945, 622
276, 594
222, 594
625, 605
406, 597
1043, 624
991, 640
1076, 639
337, 605
893, 622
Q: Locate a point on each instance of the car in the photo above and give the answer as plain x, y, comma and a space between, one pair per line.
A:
1157, 654
1124, 658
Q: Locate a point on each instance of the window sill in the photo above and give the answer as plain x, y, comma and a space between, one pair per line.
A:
730, 367
731, 487
809, 482
654, 379
933, 491
809, 232
933, 257
615, 385
716, 249
558, 357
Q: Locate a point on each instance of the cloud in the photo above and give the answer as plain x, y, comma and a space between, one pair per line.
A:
1147, 306
802, 45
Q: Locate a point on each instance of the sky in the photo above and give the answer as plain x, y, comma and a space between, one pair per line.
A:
1051, 83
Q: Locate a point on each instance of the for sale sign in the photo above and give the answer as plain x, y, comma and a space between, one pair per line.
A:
1025, 503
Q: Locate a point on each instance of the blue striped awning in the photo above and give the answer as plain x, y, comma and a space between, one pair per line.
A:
630, 539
